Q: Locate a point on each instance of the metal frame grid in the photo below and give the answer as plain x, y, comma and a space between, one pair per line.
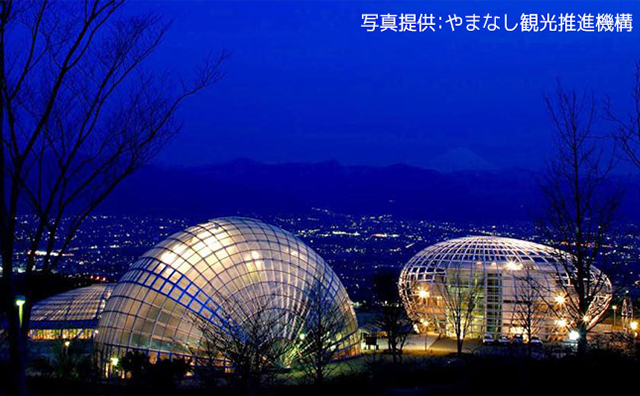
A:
72, 314
222, 270
507, 268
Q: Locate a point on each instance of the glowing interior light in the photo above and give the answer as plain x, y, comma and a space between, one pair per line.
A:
561, 323
423, 293
513, 266
574, 335
560, 299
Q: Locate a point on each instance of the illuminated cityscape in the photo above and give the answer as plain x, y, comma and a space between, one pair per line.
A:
356, 247
261, 198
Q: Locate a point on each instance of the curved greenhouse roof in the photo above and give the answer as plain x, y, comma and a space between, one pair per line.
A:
221, 271
77, 309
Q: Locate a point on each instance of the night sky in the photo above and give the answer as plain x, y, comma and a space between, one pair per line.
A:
306, 83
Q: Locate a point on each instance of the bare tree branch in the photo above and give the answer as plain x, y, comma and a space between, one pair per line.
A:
579, 206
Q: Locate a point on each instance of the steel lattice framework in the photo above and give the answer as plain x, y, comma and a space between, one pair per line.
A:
221, 271
72, 314
521, 285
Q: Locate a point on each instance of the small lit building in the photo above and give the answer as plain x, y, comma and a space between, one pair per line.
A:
501, 286
70, 315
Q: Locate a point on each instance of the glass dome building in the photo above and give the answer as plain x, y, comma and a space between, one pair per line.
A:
71, 315
486, 284
220, 271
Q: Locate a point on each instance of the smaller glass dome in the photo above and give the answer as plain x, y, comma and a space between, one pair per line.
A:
72, 314
496, 285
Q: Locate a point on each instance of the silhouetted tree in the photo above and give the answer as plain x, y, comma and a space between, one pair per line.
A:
166, 374
392, 317
135, 364
461, 290
531, 295
579, 206
324, 329
77, 116
248, 342
627, 128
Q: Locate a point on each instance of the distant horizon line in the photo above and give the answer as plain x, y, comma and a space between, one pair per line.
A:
338, 163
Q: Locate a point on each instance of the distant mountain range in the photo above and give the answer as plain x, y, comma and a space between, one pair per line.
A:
245, 187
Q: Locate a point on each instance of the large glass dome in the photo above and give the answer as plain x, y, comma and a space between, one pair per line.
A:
507, 286
221, 271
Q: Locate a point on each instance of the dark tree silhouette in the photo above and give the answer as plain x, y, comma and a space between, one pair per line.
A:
249, 343
627, 128
461, 291
77, 116
324, 329
531, 301
392, 318
579, 206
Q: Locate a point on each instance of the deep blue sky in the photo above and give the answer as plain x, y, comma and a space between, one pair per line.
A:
306, 83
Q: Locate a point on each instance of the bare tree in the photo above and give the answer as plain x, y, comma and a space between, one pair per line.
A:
324, 332
461, 291
531, 306
392, 318
579, 207
397, 326
77, 116
251, 345
627, 129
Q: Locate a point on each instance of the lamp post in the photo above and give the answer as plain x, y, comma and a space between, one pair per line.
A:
425, 324
20, 301
614, 307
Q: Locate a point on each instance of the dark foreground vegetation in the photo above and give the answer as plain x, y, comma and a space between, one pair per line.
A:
606, 371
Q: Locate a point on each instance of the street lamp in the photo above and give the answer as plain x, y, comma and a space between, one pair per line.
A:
614, 307
425, 324
20, 300
634, 327
574, 335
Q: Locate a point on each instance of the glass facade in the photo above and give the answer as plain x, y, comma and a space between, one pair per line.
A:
222, 271
72, 314
512, 287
